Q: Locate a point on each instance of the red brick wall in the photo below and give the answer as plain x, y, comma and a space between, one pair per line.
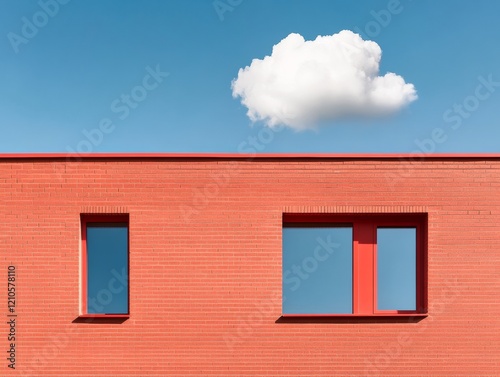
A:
205, 266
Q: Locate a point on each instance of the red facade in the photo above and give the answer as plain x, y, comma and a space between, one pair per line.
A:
205, 265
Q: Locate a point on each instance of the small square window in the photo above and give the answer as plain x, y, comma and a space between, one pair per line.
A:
105, 254
358, 265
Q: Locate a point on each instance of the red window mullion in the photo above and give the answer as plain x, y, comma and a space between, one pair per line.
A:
363, 268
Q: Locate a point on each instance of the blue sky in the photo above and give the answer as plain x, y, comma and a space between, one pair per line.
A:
60, 82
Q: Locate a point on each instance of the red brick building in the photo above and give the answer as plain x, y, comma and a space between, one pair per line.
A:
204, 289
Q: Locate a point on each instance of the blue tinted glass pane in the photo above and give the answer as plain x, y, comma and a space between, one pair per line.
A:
107, 269
317, 270
396, 264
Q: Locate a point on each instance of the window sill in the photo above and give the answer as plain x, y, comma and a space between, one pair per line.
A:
107, 319
352, 318
101, 316
377, 315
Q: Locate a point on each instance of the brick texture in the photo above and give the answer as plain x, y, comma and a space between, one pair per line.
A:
205, 266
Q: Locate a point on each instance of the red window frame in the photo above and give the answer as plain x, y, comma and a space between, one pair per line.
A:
99, 218
364, 260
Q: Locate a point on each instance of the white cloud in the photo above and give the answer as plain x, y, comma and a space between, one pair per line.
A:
332, 77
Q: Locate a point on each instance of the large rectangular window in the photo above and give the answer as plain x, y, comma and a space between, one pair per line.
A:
105, 254
361, 265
